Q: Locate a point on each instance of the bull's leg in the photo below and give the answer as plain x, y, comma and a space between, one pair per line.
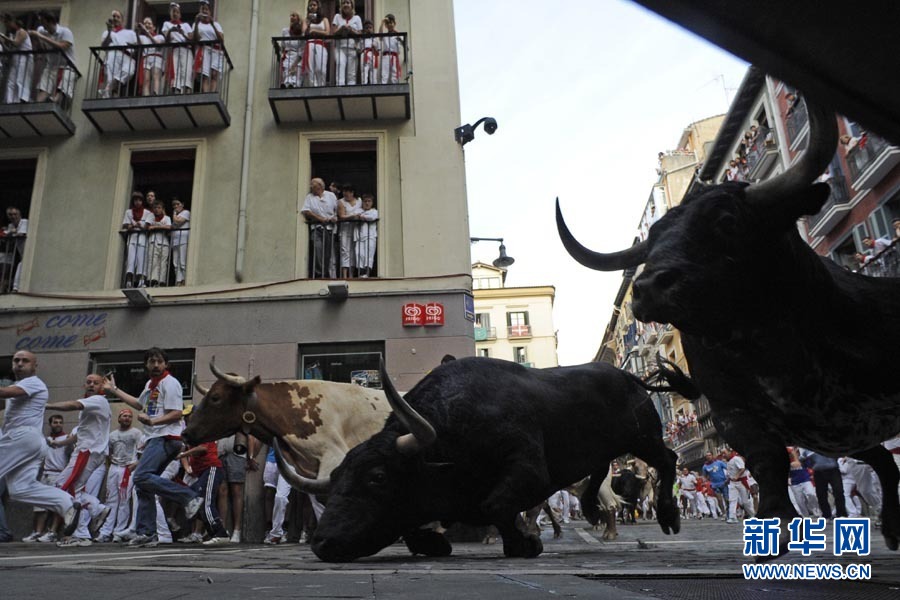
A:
655, 453
516, 543
427, 542
590, 501
882, 461
610, 533
501, 506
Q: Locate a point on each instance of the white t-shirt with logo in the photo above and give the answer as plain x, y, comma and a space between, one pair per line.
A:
165, 397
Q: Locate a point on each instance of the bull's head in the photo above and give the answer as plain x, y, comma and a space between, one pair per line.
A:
375, 491
724, 248
221, 411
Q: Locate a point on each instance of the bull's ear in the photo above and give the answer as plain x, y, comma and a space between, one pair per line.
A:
808, 201
248, 387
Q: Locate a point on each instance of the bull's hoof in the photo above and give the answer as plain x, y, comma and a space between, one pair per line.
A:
890, 528
427, 543
591, 513
669, 519
610, 535
528, 546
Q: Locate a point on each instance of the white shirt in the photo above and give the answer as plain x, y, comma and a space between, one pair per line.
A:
146, 40
324, 206
62, 34
734, 466
368, 230
206, 32
166, 397
159, 237
123, 37
57, 458
687, 482
145, 217
353, 22
93, 424
177, 36
180, 238
27, 410
123, 446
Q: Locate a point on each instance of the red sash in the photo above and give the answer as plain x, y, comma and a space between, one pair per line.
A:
123, 487
370, 55
305, 67
80, 463
395, 62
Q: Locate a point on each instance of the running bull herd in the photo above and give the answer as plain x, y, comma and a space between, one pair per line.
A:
789, 349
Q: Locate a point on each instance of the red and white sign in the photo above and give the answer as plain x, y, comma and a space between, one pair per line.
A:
413, 315
434, 314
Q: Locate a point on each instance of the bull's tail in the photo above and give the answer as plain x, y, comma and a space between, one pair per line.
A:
674, 378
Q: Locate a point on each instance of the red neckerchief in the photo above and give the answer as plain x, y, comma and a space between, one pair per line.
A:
177, 22
136, 215
154, 381
159, 218
118, 29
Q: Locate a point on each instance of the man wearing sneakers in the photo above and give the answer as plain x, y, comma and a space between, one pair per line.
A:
22, 444
277, 494
123, 443
160, 404
54, 463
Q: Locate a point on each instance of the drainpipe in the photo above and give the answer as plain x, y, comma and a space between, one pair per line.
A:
245, 157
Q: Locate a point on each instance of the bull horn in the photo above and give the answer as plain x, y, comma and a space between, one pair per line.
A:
823, 138
421, 433
233, 380
298, 481
199, 387
615, 261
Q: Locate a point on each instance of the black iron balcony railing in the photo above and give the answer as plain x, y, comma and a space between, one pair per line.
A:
885, 264
680, 435
865, 153
11, 249
158, 86
839, 196
796, 120
762, 146
24, 107
155, 258
340, 78
343, 250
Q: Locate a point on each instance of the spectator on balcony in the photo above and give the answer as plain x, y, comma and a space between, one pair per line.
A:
19, 67
346, 25
180, 62
792, 101
315, 55
366, 236
878, 245
734, 172
849, 142
349, 209
134, 225
15, 232
320, 211
150, 70
390, 50
159, 227
58, 78
118, 68
181, 224
369, 48
291, 52
210, 59
895, 225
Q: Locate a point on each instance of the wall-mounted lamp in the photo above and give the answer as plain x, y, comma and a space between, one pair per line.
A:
501, 262
466, 133
138, 297
337, 291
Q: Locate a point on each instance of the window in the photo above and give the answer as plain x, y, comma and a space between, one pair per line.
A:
332, 252
517, 318
520, 354
159, 259
843, 253
484, 283
859, 232
483, 320
128, 369
880, 223
17, 176
483, 352
345, 363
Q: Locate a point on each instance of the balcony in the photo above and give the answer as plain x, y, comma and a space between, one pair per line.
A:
796, 121
870, 160
678, 437
12, 247
835, 209
36, 119
345, 250
154, 258
483, 334
886, 264
302, 90
762, 153
518, 331
169, 90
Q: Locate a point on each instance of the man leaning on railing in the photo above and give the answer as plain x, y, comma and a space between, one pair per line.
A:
58, 78
119, 66
14, 247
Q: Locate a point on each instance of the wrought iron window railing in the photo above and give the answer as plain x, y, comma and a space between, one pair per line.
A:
343, 250
154, 258
24, 72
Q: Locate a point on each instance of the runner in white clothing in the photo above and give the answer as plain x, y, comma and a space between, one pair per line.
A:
89, 455
123, 443
22, 444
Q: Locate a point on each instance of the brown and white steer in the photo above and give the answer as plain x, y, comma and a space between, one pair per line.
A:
314, 423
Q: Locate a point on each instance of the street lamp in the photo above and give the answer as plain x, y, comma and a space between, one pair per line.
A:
466, 133
501, 262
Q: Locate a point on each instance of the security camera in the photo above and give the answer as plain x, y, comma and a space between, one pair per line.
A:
490, 126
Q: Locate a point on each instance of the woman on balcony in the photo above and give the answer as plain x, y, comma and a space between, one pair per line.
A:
19, 67
291, 52
315, 57
210, 60
151, 67
349, 209
180, 62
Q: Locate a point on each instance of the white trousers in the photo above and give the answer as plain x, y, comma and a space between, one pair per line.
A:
85, 488
182, 68
805, 500
867, 484
348, 251
179, 261
137, 249
290, 66
691, 500
119, 67
712, 504
738, 493
159, 263
345, 63
21, 452
316, 60
118, 500
279, 508
365, 252
20, 76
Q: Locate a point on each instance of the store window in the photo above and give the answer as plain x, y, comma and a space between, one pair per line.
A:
131, 376
345, 363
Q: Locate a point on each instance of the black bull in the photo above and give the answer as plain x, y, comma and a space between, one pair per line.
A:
488, 439
788, 347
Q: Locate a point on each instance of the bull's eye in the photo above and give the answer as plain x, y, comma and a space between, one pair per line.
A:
377, 478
